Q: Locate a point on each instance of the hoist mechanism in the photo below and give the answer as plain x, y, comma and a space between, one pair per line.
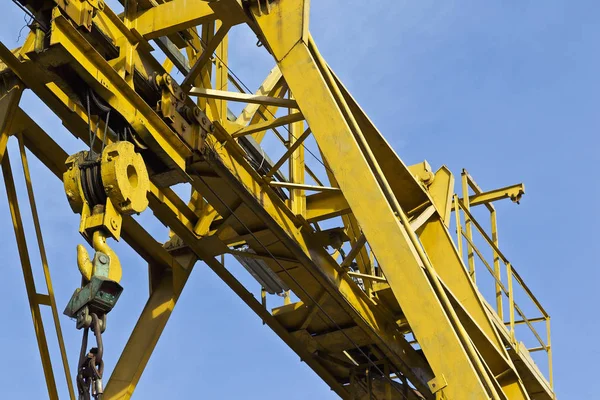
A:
102, 188
352, 251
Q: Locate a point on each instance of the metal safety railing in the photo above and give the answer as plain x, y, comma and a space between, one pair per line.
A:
37, 300
502, 291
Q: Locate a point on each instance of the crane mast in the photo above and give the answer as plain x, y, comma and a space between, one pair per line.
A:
377, 297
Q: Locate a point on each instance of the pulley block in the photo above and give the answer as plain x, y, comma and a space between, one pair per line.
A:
118, 173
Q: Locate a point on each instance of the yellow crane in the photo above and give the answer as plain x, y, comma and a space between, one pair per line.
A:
377, 297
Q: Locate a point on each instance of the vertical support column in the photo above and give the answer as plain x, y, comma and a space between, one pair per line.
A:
494, 224
296, 168
32, 295
127, 50
222, 77
468, 228
204, 78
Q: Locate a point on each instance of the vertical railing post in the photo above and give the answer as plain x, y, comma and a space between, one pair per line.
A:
459, 238
549, 351
494, 224
468, 229
511, 302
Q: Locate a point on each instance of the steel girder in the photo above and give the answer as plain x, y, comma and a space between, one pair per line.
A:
340, 326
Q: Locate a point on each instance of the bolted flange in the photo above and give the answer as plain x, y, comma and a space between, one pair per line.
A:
125, 178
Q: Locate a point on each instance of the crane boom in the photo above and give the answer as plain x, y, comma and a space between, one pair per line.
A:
378, 299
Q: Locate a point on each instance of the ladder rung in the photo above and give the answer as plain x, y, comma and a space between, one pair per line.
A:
42, 299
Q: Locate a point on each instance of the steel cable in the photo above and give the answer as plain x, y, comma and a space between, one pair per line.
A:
241, 83
311, 298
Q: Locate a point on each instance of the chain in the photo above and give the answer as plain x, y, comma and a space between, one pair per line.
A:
91, 365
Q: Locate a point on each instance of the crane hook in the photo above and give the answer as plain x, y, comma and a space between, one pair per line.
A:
105, 263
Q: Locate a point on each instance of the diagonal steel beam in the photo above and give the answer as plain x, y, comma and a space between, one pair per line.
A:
269, 87
242, 97
207, 54
297, 143
308, 78
172, 17
266, 125
9, 102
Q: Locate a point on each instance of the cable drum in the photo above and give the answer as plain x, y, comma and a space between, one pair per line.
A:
91, 183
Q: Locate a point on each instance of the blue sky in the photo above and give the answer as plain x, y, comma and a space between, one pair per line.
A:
508, 90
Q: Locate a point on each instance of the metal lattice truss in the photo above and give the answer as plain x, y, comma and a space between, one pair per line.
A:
394, 270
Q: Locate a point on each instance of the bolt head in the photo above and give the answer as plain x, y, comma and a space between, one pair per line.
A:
102, 259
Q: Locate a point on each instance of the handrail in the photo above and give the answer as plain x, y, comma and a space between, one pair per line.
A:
498, 281
520, 322
525, 319
503, 258
529, 325
500, 286
534, 349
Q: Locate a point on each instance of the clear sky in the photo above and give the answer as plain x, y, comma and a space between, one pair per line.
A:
508, 90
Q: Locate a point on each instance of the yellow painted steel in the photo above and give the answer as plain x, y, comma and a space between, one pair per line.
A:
125, 183
9, 102
36, 300
370, 205
172, 17
393, 299
125, 177
84, 263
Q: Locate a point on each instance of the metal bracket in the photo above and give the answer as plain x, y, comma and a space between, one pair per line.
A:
191, 123
263, 6
438, 383
82, 12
